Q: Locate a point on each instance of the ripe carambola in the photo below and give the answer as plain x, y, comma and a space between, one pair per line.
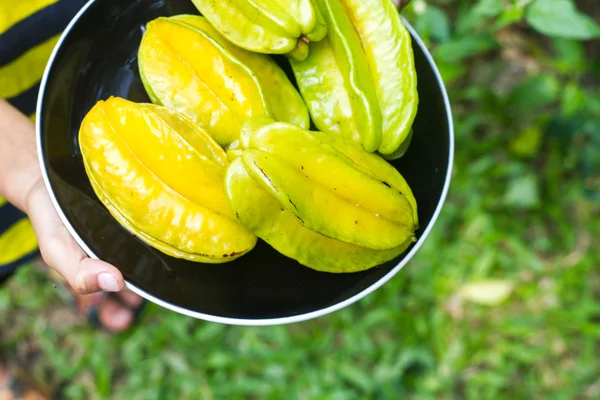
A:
266, 26
161, 177
319, 198
360, 80
187, 66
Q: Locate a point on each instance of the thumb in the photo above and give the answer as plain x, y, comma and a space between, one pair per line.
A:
62, 254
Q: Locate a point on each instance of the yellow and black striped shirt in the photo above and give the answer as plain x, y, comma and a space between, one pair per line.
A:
29, 30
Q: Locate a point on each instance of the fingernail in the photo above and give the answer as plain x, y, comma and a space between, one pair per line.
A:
108, 282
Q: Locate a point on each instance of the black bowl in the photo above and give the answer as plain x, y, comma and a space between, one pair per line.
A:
95, 59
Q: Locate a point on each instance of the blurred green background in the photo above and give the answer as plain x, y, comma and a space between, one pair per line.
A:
501, 302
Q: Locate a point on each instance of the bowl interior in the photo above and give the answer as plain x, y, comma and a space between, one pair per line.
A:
96, 60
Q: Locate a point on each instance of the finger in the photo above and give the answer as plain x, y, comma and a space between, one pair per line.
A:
114, 317
84, 275
130, 298
62, 253
94, 275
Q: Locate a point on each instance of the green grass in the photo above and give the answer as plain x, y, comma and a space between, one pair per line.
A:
522, 216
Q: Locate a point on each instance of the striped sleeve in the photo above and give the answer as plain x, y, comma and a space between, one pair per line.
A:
28, 35
29, 31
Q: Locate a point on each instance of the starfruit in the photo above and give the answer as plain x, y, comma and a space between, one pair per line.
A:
161, 177
318, 198
360, 80
187, 66
267, 26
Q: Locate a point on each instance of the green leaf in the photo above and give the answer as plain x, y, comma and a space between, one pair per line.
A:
433, 23
477, 16
537, 91
573, 99
208, 331
564, 129
450, 72
103, 380
176, 361
523, 192
590, 168
560, 18
219, 359
510, 15
570, 55
487, 8
457, 50
527, 142
356, 377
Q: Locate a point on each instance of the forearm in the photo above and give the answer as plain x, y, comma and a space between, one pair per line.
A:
19, 167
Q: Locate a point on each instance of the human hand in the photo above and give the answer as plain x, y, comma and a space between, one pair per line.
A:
60, 251
83, 275
21, 184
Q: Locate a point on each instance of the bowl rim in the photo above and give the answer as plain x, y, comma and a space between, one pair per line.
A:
246, 321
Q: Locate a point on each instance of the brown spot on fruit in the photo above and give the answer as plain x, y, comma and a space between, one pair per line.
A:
266, 177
